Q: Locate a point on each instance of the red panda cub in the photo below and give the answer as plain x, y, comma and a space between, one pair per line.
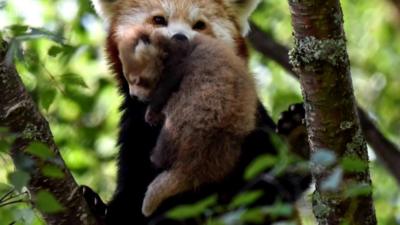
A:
207, 97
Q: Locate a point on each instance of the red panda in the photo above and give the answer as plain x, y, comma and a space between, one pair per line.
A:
206, 120
225, 21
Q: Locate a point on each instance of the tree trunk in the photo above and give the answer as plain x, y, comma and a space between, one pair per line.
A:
320, 58
20, 115
386, 151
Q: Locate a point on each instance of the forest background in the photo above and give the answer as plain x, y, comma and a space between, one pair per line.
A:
62, 64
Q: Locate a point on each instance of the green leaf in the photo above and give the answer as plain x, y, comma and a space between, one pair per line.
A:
47, 203
191, 211
259, 165
4, 146
18, 29
358, 190
52, 171
245, 198
255, 216
54, 51
19, 179
40, 150
47, 97
279, 210
353, 164
73, 79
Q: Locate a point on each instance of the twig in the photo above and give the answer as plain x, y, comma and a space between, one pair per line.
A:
4, 198
12, 202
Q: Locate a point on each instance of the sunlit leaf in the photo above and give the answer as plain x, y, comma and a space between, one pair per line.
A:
245, 198
52, 171
18, 29
73, 79
361, 189
40, 150
191, 211
47, 97
352, 164
47, 203
259, 165
279, 210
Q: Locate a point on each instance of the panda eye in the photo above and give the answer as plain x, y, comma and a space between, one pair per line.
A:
199, 25
160, 20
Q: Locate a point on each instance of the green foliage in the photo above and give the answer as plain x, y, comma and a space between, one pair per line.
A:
260, 165
52, 171
46, 202
40, 150
57, 48
245, 199
353, 164
19, 179
192, 211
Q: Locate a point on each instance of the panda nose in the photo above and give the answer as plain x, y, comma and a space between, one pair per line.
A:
180, 37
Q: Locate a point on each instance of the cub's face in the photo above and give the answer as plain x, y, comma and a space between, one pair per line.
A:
141, 56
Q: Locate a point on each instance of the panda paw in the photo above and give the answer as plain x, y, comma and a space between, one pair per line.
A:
153, 118
96, 205
291, 119
291, 125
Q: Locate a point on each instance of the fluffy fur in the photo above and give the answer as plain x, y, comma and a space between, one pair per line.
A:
224, 20
206, 120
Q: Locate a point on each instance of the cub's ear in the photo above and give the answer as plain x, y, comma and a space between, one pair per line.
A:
105, 8
244, 8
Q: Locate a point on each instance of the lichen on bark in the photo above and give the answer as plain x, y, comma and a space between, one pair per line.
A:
310, 50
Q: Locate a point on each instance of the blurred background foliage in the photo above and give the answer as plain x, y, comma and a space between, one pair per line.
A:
61, 61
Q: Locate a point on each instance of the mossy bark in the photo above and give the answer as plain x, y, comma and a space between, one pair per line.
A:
20, 115
321, 60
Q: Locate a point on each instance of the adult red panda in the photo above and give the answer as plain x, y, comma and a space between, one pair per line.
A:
224, 20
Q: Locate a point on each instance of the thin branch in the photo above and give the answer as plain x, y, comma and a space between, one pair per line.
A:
396, 4
20, 115
386, 151
13, 202
5, 196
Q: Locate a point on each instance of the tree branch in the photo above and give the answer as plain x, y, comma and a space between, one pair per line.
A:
20, 115
396, 4
387, 152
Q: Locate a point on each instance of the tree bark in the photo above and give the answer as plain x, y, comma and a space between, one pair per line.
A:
321, 60
387, 152
21, 116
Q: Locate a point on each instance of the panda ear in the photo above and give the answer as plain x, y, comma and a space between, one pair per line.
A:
104, 8
244, 8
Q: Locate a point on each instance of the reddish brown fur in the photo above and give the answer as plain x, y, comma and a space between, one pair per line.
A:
206, 121
217, 9
208, 118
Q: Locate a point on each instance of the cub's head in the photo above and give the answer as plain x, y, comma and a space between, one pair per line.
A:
225, 20
222, 19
